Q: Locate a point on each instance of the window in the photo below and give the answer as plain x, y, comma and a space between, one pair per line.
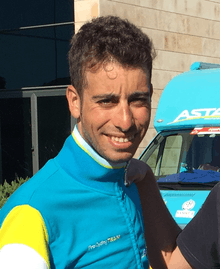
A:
34, 41
171, 155
175, 156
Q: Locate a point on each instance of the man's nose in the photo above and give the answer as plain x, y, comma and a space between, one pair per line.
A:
123, 118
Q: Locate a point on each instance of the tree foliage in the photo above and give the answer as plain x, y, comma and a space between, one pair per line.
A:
7, 189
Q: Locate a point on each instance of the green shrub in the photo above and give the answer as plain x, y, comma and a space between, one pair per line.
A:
7, 189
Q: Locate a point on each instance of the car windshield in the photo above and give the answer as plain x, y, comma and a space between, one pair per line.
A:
185, 158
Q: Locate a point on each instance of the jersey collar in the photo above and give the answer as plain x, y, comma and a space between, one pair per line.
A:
84, 164
92, 153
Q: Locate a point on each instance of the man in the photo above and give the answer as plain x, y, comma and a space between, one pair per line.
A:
78, 210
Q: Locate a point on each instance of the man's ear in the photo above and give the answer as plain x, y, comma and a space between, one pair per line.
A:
151, 90
73, 101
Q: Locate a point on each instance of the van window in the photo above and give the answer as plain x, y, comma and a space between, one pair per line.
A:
171, 155
165, 158
175, 155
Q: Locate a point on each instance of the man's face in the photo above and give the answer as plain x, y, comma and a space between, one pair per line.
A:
115, 111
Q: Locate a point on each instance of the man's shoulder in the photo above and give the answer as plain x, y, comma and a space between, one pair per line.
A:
33, 192
216, 189
213, 197
43, 179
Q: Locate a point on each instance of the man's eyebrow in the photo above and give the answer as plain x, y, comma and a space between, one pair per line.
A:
113, 95
105, 96
139, 95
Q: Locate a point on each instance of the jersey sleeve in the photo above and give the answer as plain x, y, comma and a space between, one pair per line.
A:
198, 242
24, 231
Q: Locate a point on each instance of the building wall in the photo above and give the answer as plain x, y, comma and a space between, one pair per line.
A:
183, 31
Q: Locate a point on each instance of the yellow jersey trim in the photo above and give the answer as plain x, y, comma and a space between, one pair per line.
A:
25, 225
84, 149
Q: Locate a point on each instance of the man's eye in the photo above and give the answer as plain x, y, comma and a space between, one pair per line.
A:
107, 102
141, 101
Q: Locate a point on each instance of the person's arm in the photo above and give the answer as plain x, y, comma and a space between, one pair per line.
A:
177, 260
161, 230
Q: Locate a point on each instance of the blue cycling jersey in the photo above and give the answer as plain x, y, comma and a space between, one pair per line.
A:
75, 212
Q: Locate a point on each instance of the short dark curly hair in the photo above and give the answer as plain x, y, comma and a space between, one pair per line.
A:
105, 38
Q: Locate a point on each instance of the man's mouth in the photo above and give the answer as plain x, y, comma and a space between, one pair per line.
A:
122, 139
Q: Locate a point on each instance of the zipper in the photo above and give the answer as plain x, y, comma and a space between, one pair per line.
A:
120, 194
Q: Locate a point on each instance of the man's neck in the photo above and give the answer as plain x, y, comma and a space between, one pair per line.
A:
89, 150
